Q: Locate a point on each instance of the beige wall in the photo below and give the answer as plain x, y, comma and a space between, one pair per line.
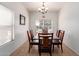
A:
69, 21
19, 30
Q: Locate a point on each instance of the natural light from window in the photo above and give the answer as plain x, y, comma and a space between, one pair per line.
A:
6, 25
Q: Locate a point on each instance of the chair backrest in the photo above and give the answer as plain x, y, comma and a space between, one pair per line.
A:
29, 37
31, 34
61, 36
58, 33
45, 39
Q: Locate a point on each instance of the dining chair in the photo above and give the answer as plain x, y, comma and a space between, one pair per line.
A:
31, 41
31, 33
58, 33
58, 40
45, 43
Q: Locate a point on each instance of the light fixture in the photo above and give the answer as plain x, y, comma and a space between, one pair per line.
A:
43, 9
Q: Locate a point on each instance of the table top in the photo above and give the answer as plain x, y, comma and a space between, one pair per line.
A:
54, 36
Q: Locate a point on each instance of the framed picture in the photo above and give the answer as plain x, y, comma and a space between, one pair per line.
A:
22, 20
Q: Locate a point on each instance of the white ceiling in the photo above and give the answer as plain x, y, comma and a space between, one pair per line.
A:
52, 6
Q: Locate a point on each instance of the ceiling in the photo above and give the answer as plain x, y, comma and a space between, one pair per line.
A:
52, 6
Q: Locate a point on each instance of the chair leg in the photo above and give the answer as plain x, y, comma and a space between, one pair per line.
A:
50, 53
39, 53
29, 49
30, 46
61, 48
53, 47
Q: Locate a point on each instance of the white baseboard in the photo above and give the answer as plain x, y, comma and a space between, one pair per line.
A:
72, 49
18, 47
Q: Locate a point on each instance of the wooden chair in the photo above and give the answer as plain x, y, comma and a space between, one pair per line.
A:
31, 41
31, 33
59, 40
45, 42
58, 33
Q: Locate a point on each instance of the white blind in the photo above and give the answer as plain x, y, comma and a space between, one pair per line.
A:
6, 25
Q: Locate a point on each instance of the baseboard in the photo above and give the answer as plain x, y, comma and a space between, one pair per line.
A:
18, 47
72, 49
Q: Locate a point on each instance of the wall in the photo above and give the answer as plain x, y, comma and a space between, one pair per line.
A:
53, 16
69, 21
19, 30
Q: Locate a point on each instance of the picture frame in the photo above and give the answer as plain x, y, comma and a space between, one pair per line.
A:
22, 20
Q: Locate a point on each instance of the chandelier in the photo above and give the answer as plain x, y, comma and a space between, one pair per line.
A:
43, 9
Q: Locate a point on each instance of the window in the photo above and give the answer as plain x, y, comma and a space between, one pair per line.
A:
45, 23
6, 25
